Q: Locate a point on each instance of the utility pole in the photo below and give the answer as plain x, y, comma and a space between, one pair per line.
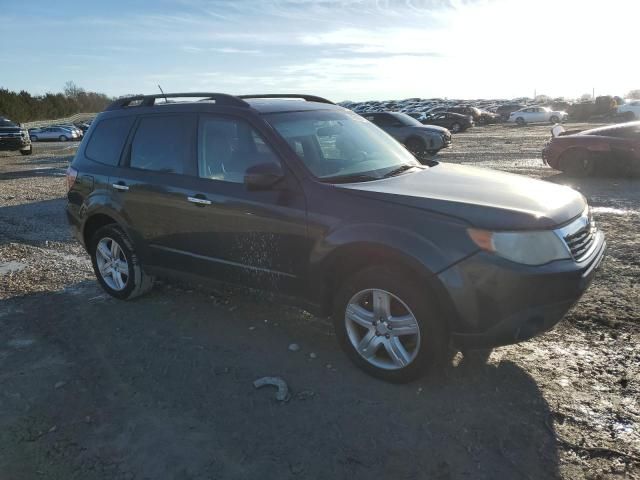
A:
593, 93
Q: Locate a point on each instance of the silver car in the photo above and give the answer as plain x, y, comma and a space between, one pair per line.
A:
53, 133
418, 138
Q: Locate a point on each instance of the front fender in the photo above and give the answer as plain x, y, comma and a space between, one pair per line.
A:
375, 243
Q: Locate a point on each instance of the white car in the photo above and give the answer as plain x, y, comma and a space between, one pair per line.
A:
630, 109
537, 114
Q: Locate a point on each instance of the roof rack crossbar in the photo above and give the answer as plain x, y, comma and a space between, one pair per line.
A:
150, 100
308, 98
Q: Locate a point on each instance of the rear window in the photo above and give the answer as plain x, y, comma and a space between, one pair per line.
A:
107, 140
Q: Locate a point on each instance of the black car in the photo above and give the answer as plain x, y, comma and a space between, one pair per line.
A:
454, 122
313, 202
419, 139
14, 137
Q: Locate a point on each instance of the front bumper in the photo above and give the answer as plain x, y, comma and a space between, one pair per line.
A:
14, 143
498, 302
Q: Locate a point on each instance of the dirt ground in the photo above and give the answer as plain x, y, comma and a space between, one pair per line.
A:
161, 387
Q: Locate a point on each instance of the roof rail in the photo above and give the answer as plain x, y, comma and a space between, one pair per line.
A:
308, 98
150, 100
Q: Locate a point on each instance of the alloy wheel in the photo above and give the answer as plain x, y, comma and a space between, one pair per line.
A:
112, 264
382, 329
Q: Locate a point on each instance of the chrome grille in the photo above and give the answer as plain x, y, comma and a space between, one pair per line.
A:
579, 235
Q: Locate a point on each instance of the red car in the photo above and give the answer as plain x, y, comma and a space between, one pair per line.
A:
610, 149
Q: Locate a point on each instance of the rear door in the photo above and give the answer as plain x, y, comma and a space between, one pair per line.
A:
151, 185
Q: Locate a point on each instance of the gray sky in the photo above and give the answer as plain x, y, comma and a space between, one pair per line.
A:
341, 49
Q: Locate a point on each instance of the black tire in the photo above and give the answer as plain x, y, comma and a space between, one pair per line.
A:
34, 138
433, 152
554, 119
629, 116
456, 127
520, 121
578, 163
63, 138
415, 146
433, 346
138, 282
27, 152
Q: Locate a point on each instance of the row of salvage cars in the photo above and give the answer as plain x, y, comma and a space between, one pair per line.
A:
613, 149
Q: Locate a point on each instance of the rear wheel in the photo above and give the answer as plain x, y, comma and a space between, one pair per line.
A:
578, 163
520, 121
456, 127
554, 119
117, 267
388, 325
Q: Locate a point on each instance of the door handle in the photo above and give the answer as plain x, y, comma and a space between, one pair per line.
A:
199, 200
120, 186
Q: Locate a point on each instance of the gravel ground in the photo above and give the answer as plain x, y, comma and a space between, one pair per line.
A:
94, 388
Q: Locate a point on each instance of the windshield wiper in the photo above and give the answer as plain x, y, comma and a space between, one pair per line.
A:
402, 168
354, 177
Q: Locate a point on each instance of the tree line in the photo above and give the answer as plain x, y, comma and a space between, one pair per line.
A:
24, 107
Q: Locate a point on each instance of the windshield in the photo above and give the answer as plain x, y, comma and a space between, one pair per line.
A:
341, 146
6, 123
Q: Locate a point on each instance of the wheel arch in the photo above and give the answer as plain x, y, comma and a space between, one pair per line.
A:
329, 273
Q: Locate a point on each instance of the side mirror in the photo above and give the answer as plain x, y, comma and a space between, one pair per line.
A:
263, 176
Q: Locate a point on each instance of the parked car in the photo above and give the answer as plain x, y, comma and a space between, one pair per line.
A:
53, 133
454, 122
13, 137
418, 138
610, 149
537, 115
72, 128
311, 201
630, 110
485, 117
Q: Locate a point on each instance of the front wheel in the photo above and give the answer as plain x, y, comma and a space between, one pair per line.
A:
116, 265
554, 120
456, 127
388, 325
27, 152
62, 138
520, 121
415, 146
578, 163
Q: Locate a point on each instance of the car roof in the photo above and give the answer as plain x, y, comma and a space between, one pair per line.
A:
279, 105
617, 126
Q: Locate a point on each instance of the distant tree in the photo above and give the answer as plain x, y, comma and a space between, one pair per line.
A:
71, 90
585, 97
23, 107
635, 94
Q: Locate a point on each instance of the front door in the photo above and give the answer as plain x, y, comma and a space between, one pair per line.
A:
253, 238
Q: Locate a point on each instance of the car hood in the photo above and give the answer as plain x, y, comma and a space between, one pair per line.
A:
482, 197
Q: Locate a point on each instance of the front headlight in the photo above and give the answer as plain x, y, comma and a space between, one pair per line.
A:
528, 248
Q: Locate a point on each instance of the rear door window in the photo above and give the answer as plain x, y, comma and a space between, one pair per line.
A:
164, 143
107, 140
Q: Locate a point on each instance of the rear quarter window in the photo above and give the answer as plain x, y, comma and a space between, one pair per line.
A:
108, 139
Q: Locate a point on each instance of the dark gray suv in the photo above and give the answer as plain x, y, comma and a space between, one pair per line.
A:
309, 200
